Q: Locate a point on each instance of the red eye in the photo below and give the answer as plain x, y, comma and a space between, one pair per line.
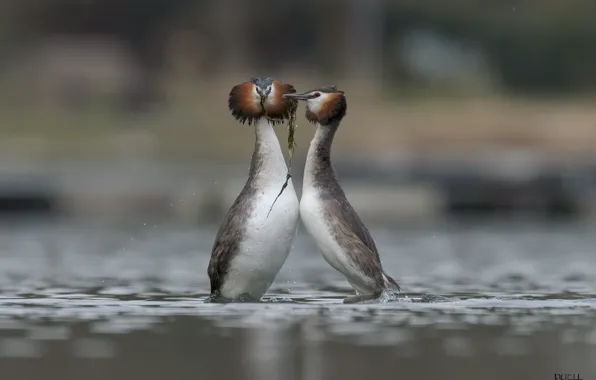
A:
316, 94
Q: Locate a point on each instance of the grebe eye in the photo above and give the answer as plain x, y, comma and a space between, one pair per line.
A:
316, 94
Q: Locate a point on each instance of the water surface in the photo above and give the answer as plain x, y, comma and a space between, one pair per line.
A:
118, 302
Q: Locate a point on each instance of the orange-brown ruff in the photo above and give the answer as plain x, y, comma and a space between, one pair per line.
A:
246, 105
255, 237
326, 213
334, 105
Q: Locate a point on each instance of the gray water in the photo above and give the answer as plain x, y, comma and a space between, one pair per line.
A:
93, 301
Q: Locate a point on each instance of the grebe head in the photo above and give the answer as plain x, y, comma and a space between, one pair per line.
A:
325, 105
261, 97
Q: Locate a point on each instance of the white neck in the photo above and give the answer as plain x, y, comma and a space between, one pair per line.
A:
273, 167
311, 158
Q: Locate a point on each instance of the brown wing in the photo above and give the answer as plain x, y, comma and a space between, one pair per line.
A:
342, 211
224, 248
354, 237
227, 240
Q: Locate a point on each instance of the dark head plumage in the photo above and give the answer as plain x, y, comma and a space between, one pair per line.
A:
261, 97
325, 105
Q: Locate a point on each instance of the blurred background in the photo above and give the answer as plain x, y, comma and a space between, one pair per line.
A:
468, 148
119, 108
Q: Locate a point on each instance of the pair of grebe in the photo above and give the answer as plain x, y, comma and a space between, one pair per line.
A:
255, 240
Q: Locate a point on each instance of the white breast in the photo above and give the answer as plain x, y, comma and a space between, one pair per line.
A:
312, 215
269, 236
265, 246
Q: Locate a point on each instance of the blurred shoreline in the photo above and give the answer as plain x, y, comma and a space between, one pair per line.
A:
402, 191
194, 123
399, 159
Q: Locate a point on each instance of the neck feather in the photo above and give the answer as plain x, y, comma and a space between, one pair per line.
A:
318, 169
268, 161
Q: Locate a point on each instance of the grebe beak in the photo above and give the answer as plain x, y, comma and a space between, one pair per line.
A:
302, 96
263, 94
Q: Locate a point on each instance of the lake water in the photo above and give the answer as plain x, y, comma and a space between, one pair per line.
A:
105, 301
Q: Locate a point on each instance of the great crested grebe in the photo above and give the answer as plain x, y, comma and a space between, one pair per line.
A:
340, 235
255, 239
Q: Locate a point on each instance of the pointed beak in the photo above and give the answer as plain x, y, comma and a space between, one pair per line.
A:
302, 96
262, 94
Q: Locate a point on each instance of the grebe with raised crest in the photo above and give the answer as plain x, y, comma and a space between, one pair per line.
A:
328, 216
255, 239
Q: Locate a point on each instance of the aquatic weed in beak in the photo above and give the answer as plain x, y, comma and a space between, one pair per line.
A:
293, 105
